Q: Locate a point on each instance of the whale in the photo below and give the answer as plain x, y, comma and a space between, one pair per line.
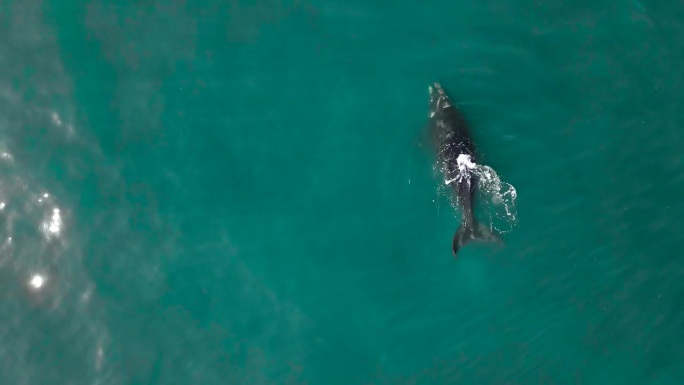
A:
457, 160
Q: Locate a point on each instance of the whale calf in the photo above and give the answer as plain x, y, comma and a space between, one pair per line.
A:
457, 161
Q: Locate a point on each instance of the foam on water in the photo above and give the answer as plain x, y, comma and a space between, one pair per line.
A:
496, 198
499, 198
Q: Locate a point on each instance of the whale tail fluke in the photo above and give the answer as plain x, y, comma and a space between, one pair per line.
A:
469, 232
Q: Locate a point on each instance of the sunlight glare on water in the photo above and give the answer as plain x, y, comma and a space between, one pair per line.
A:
37, 281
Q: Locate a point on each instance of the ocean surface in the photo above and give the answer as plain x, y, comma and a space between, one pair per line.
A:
237, 192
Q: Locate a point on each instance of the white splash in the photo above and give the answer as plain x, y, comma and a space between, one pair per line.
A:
465, 162
465, 166
499, 197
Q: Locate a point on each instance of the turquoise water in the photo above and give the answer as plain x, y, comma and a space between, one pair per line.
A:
233, 193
